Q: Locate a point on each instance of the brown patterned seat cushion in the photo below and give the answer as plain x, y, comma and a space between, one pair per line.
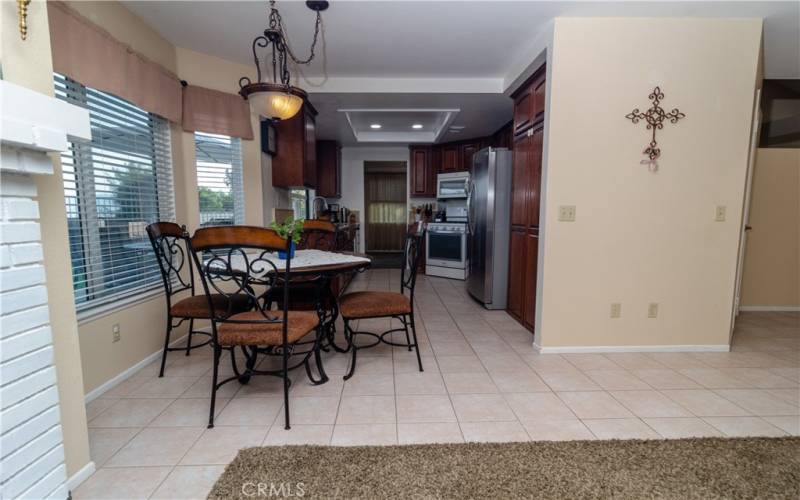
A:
300, 323
197, 306
374, 304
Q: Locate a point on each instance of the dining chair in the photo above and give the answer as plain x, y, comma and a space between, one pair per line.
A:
170, 244
375, 304
238, 260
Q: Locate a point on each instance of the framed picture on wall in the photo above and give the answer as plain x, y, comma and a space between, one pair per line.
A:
269, 138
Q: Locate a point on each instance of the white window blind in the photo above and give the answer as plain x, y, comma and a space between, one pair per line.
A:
220, 186
114, 187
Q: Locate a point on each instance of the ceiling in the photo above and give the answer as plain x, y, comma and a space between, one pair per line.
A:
429, 54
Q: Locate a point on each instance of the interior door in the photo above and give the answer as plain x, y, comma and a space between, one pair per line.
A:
755, 133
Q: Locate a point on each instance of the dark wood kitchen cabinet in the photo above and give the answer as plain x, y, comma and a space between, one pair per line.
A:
295, 165
451, 158
422, 172
526, 199
329, 169
468, 150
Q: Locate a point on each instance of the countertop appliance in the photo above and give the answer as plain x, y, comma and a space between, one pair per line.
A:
452, 186
446, 250
489, 225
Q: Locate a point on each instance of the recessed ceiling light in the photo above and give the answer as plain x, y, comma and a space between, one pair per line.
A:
417, 125
375, 125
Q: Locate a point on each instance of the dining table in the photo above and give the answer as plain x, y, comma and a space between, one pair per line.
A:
318, 267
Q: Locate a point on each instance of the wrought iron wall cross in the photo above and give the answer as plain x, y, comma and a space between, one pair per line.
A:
654, 117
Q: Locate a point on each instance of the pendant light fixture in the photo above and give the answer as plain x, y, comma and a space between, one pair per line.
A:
278, 99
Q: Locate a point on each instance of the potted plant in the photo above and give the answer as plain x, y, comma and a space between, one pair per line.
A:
290, 229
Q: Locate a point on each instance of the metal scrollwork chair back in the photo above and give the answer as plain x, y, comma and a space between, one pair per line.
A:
412, 253
318, 235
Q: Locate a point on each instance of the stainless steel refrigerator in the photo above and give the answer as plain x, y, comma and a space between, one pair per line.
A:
489, 224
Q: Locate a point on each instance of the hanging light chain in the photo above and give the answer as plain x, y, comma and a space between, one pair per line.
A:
284, 33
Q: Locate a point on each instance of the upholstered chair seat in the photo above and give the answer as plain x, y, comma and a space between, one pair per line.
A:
197, 306
256, 332
374, 304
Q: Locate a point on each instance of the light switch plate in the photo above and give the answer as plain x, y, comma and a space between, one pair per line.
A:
652, 310
616, 310
566, 213
719, 214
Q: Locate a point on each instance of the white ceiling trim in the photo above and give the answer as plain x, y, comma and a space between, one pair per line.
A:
418, 136
374, 85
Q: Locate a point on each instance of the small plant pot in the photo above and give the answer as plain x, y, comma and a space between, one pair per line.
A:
282, 255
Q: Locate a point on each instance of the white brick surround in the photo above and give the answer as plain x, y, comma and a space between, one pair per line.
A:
31, 446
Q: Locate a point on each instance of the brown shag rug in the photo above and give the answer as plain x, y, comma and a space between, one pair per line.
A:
680, 469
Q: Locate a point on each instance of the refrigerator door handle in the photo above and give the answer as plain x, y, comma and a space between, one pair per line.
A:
470, 207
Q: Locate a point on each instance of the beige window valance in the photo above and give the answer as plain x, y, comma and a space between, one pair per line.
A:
92, 56
215, 112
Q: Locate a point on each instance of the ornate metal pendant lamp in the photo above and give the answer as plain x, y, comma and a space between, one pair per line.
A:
278, 99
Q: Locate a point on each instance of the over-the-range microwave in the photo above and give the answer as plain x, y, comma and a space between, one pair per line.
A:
452, 185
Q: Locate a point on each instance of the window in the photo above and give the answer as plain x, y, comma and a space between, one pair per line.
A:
299, 200
219, 179
114, 187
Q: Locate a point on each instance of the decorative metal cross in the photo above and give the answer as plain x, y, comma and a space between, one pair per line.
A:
655, 117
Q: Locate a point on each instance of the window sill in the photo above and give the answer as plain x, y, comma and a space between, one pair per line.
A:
102, 310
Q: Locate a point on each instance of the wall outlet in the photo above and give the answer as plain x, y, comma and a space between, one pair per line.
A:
616, 310
652, 310
115, 333
719, 213
566, 213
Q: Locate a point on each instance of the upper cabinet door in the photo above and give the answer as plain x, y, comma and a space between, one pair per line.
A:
310, 166
523, 109
520, 176
329, 169
421, 184
535, 177
468, 150
451, 161
538, 98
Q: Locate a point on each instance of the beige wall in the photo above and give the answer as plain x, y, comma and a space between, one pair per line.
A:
644, 237
772, 258
29, 63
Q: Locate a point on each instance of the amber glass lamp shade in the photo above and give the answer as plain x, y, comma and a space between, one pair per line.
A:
274, 101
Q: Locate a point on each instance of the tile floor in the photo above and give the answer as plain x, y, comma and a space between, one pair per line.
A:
482, 382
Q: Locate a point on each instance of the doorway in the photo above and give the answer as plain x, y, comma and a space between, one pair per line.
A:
385, 191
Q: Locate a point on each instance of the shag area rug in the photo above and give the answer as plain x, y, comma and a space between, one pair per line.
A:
686, 468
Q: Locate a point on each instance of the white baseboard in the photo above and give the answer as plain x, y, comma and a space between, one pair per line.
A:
82, 475
630, 348
110, 384
769, 308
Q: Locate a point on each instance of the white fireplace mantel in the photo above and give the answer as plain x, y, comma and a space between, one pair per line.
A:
32, 459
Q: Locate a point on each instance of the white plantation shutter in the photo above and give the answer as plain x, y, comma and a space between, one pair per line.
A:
114, 187
219, 179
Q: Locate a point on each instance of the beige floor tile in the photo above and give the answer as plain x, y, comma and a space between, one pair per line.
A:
452, 348
713, 378
370, 384
789, 395
192, 482
311, 410
790, 425
166, 387
526, 381
665, 378
761, 378
634, 360
431, 432
591, 362
127, 483
705, 403
677, 428
553, 362
616, 380
481, 408
221, 444
202, 389
555, 429
262, 386
332, 388
424, 408
566, 380
594, 404
494, 432
188, 413
255, 412
98, 406
299, 434
469, 383
650, 404
191, 366
792, 373
372, 365
503, 363
459, 364
128, 385
759, 402
677, 360
104, 442
744, 426
130, 413
364, 435
156, 447
408, 364
620, 428
428, 382
538, 405
367, 410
